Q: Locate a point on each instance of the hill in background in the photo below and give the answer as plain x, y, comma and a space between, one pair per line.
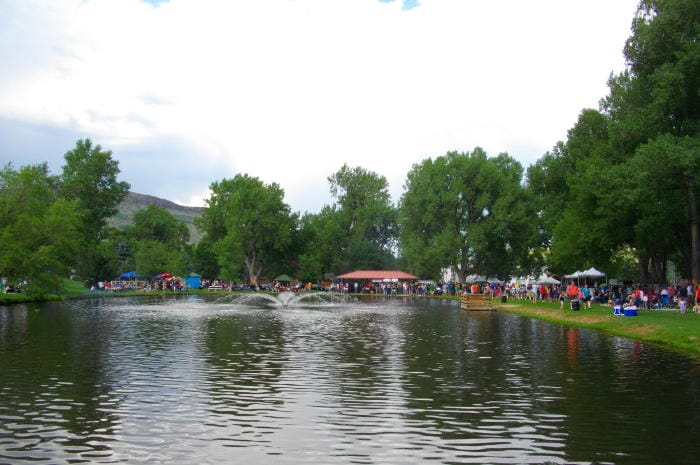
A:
135, 202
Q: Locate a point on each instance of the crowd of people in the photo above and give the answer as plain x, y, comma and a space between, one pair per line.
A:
682, 296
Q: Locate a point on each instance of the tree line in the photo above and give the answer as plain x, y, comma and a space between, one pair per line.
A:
620, 193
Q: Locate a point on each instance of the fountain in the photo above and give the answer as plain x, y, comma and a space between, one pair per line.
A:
288, 299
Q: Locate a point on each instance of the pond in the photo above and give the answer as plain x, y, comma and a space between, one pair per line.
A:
206, 380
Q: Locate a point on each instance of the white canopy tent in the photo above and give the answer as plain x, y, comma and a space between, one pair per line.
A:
591, 273
547, 280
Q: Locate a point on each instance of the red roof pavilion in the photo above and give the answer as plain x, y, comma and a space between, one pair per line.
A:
382, 274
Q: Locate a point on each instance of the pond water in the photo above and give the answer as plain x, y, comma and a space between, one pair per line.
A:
203, 380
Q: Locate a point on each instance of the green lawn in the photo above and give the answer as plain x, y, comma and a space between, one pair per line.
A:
666, 327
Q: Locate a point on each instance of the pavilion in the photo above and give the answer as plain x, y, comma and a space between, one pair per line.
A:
378, 275
377, 280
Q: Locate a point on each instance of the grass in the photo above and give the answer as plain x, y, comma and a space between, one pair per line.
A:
664, 327
70, 290
77, 290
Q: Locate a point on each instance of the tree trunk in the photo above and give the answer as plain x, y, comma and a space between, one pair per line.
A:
644, 265
693, 215
460, 274
250, 269
658, 274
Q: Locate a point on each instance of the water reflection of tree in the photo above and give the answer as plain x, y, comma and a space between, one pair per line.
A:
246, 356
360, 356
53, 378
473, 384
628, 401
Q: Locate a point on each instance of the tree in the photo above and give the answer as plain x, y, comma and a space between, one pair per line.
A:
548, 189
666, 172
89, 178
322, 237
205, 260
159, 242
158, 224
468, 212
115, 252
577, 198
37, 229
654, 106
247, 223
635, 162
366, 217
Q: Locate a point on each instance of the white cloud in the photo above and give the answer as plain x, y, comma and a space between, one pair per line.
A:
289, 90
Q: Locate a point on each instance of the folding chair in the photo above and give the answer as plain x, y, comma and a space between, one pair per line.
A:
665, 301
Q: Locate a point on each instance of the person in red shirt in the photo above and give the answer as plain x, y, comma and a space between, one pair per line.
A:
572, 293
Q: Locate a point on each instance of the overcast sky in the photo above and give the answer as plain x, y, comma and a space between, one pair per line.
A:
187, 92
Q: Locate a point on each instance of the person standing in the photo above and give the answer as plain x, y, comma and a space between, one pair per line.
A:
587, 296
572, 293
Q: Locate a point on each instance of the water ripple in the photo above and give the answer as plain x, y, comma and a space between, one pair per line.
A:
197, 382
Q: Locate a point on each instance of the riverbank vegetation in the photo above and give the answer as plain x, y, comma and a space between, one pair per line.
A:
620, 193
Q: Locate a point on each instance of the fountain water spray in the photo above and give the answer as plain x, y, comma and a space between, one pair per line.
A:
289, 299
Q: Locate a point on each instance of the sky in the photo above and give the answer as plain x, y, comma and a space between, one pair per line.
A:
188, 92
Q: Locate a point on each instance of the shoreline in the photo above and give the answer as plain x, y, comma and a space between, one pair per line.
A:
666, 328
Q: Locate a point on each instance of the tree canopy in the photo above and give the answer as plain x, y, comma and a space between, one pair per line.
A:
159, 242
468, 212
246, 222
89, 178
626, 179
365, 215
38, 229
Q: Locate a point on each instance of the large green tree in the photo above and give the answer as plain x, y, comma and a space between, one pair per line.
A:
38, 229
365, 215
546, 181
204, 258
89, 178
115, 253
247, 224
468, 212
323, 238
159, 241
626, 179
654, 109
574, 197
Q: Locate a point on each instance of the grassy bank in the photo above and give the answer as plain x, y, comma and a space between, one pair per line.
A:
70, 290
76, 290
664, 327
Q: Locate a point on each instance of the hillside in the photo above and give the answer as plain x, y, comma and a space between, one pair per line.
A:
134, 202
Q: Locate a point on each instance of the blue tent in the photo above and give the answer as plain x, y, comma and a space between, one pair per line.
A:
128, 275
193, 280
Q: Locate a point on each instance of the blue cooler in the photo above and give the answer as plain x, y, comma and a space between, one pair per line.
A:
631, 311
